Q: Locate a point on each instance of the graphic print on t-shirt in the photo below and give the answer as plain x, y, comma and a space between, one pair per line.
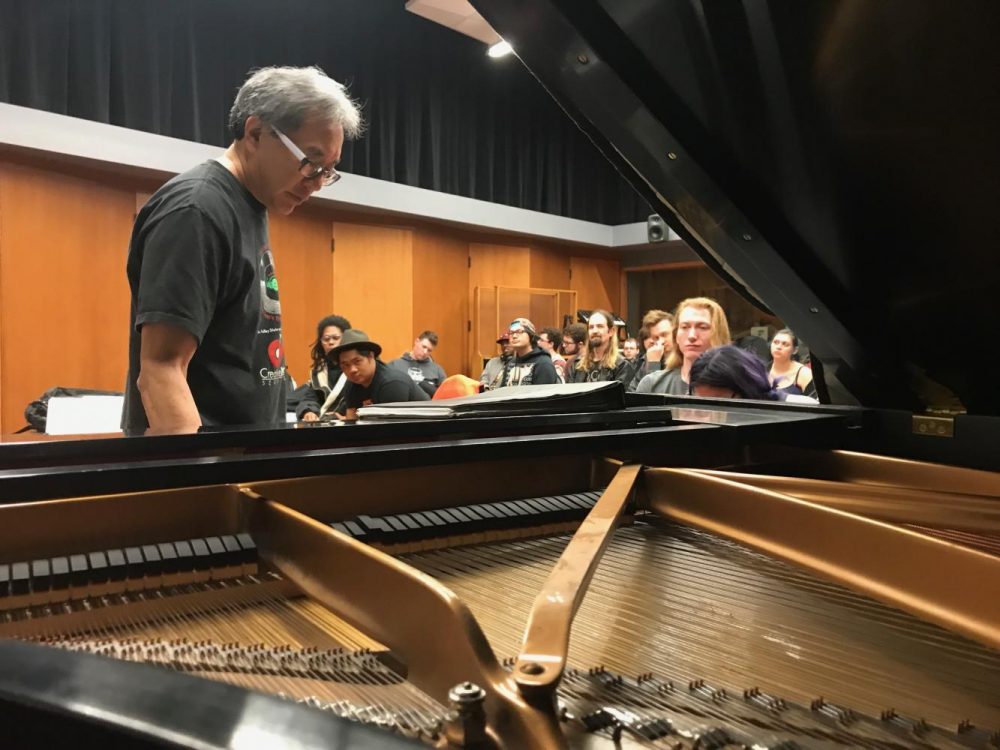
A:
269, 331
269, 303
274, 352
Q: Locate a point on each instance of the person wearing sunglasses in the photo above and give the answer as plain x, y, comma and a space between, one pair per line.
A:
205, 346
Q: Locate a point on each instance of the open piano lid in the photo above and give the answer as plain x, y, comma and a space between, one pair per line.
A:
837, 160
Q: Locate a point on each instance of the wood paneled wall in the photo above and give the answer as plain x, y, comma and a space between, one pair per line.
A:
373, 283
440, 295
65, 299
303, 258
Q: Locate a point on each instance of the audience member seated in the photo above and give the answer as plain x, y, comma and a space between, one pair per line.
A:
326, 383
529, 365
370, 380
494, 369
701, 325
549, 340
600, 359
418, 364
787, 374
731, 372
573, 337
630, 349
657, 335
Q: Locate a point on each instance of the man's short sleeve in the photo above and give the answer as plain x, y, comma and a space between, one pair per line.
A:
183, 264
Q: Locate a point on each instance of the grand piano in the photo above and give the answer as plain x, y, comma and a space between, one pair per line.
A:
657, 572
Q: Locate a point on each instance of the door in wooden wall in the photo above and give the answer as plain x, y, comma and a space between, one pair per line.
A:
373, 283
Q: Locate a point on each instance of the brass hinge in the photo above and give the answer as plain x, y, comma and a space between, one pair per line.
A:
936, 425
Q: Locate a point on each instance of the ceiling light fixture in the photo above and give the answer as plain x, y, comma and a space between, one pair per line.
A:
500, 49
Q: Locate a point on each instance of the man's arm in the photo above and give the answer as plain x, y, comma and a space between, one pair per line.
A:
544, 372
165, 353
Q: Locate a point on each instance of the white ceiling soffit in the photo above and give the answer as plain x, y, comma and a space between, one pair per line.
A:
455, 14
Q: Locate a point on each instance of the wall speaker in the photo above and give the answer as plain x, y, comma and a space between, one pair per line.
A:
656, 230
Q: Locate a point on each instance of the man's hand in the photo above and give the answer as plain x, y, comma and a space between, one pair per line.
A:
310, 416
165, 353
655, 352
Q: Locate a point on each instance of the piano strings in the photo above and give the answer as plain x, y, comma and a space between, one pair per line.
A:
687, 605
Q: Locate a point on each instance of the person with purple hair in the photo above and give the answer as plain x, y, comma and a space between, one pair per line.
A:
730, 372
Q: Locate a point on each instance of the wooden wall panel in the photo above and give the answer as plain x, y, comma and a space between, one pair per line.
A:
373, 282
301, 244
64, 299
440, 296
494, 265
549, 269
597, 283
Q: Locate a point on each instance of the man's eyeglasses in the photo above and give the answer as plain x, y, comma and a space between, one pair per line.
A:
308, 169
516, 331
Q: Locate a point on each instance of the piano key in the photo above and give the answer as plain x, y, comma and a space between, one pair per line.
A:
486, 512
357, 531
221, 566
168, 555
547, 505
408, 521
153, 561
374, 526
341, 527
234, 552
79, 570
215, 547
394, 523
460, 514
562, 503
117, 566
20, 579
41, 582
98, 581
60, 574
248, 553
425, 521
41, 576
445, 515
247, 545
522, 507
202, 555
185, 555
501, 511
202, 559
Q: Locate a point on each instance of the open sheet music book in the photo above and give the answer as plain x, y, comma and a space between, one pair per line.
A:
510, 401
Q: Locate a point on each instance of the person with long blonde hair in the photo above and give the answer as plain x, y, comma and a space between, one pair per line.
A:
700, 325
601, 360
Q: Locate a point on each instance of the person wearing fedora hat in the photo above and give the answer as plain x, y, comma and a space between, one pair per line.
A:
370, 380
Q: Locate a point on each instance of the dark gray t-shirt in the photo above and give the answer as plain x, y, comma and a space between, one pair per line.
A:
200, 259
664, 381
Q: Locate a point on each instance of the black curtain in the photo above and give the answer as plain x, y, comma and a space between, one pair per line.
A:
440, 113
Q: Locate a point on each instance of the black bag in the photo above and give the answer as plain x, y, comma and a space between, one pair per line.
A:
36, 413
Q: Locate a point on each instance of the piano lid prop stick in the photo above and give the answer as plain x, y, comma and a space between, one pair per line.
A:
546, 641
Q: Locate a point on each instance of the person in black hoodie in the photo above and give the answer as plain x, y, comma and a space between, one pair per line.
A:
529, 365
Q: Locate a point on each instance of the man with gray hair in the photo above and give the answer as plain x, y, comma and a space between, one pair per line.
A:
205, 344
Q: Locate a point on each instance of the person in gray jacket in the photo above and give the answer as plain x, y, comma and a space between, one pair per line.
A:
494, 369
418, 364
